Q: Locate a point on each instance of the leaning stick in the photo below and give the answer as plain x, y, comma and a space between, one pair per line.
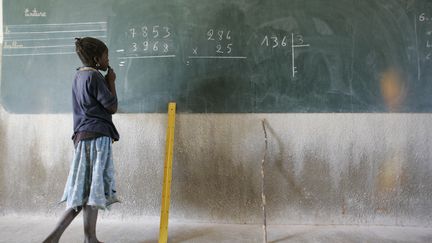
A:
263, 197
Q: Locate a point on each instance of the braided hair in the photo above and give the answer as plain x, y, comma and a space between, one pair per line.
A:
88, 48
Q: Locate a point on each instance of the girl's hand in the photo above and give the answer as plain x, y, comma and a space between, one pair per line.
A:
110, 77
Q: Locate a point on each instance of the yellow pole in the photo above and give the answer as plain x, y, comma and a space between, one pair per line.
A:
166, 188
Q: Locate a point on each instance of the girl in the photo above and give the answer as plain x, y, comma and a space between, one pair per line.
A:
90, 185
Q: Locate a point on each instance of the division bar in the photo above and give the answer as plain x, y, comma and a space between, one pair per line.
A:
217, 57
146, 57
301, 45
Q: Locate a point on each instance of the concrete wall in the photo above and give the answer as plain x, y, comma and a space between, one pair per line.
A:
320, 168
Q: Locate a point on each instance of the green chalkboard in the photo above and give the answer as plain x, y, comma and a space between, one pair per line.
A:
223, 56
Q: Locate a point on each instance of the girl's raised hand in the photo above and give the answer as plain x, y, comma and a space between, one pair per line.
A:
110, 76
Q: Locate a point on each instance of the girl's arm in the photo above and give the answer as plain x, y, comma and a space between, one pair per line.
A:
110, 79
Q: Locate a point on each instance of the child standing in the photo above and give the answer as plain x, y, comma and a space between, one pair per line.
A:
90, 185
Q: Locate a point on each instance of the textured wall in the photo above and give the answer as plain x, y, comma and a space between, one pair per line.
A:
320, 168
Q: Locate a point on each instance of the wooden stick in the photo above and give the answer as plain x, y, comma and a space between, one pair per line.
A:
263, 197
166, 187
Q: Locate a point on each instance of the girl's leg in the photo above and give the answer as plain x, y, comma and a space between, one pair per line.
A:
64, 222
90, 219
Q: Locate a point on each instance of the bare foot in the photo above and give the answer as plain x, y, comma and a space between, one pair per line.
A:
92, 240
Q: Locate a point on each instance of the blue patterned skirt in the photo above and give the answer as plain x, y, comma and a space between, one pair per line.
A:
91, 175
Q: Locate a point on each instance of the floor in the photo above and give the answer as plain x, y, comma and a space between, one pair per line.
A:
34, 228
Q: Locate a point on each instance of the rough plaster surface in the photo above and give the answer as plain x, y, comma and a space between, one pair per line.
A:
321, 168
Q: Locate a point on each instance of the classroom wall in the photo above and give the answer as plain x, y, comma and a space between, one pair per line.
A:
319, 168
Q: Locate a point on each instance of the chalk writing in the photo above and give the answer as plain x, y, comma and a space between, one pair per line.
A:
424, 21
218, 44
154, 32
300, 43
217, 57
122, 63
282, 41
423, 17
218, 36
47, 39
221, 34
13, 44
296, 41
274, 41
149, 40
34, 13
